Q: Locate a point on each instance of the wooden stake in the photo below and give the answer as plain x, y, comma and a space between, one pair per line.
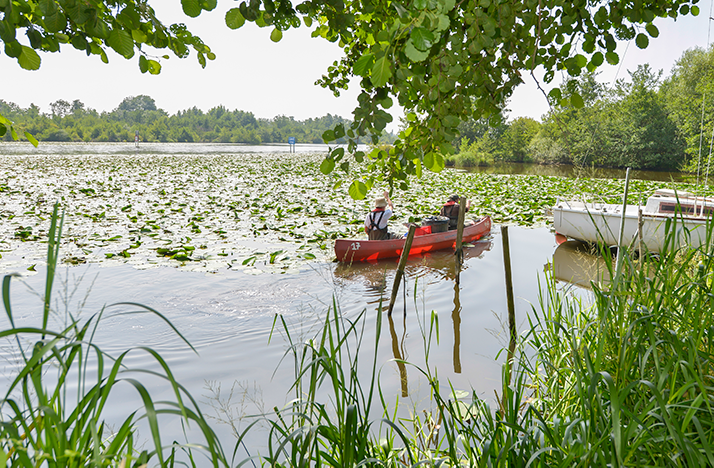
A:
511, 302
400, 268
459, 239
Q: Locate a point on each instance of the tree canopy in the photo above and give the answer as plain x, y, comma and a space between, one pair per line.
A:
446, 61
443, 61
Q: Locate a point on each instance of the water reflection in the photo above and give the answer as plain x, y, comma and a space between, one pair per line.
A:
580, 264
400, 353
456, 319
377, 278
441, 264
570, 171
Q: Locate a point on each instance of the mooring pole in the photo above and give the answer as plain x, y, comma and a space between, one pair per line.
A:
511, 303
400, 268
459, 239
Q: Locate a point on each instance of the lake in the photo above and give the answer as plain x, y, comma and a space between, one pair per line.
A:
221, 239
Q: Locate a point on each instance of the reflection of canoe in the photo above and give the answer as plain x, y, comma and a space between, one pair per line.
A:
440, 264
580, 264
352, 250
599, 222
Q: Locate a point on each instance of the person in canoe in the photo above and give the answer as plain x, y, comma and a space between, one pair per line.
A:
375, 224
451, 210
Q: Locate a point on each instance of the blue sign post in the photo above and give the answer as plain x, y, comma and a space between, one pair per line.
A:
291, 142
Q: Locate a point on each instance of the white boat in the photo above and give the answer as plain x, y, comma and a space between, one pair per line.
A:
600, 222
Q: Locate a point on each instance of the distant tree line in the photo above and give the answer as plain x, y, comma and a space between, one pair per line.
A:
645, 122
75, 122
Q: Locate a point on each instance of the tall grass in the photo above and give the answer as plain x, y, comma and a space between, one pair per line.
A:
54, 410
621, 379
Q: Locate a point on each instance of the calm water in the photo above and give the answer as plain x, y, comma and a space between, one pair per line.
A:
228, 315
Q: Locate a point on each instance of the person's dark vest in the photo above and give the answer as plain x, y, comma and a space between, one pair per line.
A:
374, 232
451, 211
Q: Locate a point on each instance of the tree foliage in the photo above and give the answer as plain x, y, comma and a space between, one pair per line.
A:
445, 61
688, 95
94, 26
76, 122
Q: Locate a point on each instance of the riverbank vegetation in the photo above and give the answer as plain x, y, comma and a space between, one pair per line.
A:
644, 122
73, 121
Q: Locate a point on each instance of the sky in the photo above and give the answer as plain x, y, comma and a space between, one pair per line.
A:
254, 74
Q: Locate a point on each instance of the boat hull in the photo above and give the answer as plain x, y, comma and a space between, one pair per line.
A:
593, 222
353, 250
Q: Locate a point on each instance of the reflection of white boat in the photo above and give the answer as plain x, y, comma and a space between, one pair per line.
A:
580, 264
600, 222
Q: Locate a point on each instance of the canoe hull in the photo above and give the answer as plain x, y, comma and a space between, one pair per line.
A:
353, 250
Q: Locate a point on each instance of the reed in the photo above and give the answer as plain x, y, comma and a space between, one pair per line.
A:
622, 378
54, 409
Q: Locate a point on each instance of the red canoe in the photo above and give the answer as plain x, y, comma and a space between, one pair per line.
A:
353, 250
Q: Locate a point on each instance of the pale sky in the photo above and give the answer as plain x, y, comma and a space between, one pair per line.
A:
251, 73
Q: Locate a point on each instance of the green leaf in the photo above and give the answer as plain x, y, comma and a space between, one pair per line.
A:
652, 30
381, 72
234, 18
121, 42
3, 129
451, 121
192, 8
434, 161
328, 136
612, 58
642, 41
414, 54
143, 64
363, 64
154, 67
56, 22
328, 164
577, 101
597, 59
422, 38
13, 49
358, 190
695, 10
31, 139
28, 59
276, 35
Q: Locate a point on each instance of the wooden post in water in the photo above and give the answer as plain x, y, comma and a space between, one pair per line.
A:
511, 304
640, 225
400, 268
459, 239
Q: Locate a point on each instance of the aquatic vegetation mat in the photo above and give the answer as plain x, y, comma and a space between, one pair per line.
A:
210, 211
